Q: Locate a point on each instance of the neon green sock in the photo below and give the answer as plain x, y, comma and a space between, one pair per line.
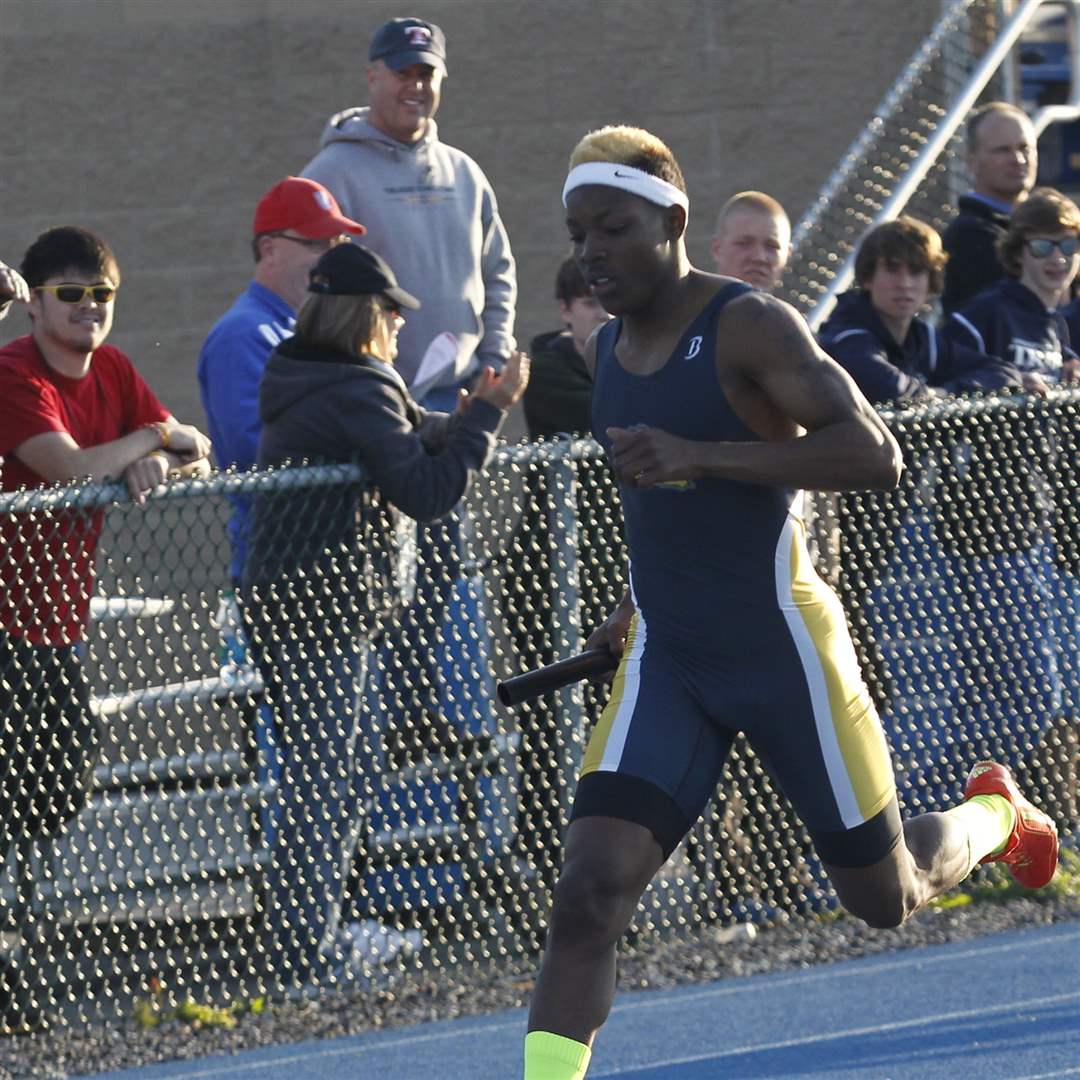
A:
990, 820
554, 1057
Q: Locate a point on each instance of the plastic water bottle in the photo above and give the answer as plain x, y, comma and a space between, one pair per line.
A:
232, 647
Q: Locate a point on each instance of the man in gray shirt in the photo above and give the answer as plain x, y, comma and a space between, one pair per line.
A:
429, 211
431, 214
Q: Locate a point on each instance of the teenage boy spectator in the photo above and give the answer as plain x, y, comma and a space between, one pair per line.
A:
559, 394
1018, 319
429, 211
296, 221
752, 239
557, 402
71, 407
876, 334
1002, 160
12, 287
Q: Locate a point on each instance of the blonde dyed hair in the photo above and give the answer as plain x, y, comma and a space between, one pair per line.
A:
632, 146
346, 324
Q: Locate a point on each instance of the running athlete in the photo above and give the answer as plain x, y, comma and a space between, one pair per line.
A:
716, 407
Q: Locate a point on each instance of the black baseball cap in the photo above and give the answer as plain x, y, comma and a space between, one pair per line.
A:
401, 42
354, 270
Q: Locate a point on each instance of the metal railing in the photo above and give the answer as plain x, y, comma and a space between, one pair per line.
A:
905, 157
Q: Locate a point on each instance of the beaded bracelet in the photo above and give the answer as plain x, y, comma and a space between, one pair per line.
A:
162, 430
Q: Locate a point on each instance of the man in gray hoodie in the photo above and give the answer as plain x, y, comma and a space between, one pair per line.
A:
429, 211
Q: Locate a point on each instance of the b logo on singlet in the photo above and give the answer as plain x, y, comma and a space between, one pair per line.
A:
695, 348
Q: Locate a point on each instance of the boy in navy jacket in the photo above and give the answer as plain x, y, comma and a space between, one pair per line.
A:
875, 332
1018, 319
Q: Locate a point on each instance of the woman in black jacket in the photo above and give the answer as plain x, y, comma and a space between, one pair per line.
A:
325, 572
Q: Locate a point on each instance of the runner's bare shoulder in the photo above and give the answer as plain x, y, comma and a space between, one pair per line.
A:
589, 354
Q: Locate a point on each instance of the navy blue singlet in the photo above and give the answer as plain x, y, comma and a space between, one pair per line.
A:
733, 631
707, 545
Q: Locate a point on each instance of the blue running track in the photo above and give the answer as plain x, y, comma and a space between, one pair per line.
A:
1005, 1006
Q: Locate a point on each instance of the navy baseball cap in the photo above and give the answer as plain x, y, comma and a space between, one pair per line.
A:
354, 270
401, 42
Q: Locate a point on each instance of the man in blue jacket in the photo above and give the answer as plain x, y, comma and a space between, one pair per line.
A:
295, 222
875, 332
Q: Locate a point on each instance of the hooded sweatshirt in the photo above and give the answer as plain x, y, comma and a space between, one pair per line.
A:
558, 399
430, 212
970, 241
339, 546
856, 338
1010, 321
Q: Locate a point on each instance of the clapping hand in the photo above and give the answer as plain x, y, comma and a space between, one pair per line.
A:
505, 388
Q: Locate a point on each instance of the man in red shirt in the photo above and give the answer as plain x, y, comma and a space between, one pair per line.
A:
71, 408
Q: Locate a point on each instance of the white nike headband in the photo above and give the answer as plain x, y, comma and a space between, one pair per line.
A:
628, 179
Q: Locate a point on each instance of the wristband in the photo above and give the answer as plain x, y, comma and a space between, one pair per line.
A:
162, 430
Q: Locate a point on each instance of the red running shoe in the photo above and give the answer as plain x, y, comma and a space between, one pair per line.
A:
1031, 853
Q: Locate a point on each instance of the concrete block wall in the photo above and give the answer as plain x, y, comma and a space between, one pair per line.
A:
160, 122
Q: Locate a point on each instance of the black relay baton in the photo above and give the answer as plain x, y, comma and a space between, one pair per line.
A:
542, 680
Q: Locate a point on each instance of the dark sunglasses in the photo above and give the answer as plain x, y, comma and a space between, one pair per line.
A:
1041, 246
70, 293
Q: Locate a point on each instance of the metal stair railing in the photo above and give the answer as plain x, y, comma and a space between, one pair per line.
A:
905, 158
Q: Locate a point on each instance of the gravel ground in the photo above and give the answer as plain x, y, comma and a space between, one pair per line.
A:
707, 956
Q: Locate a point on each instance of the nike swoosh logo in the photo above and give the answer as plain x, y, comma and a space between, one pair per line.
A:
625, 176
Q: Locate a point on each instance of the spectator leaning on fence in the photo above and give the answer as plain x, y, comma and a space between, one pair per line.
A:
428, 208
752, 239
1002, 159
323, 571
558, 398
71, 407
876, 334
1018, 319
295, 222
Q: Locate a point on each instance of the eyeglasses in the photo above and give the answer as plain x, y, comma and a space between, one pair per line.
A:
314, 245
70, 293
1041, 246
392, 309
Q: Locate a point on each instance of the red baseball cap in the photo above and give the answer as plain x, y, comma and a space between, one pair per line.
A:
304, 206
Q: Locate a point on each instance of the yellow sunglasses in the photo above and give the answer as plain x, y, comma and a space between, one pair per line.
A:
70, 293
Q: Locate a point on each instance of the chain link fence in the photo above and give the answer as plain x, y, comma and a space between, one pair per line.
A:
304, 783
295, 790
